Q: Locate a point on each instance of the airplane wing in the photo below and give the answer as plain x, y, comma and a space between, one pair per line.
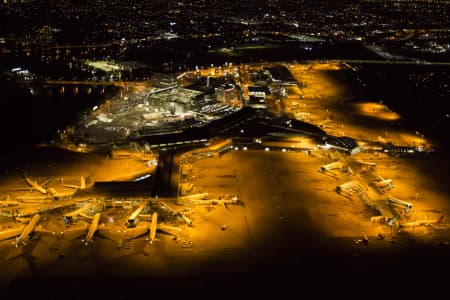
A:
11, 232
62, 194
76, 230
33, 185
47, 181
73, 186
111, 234
141, 229
166, 229
43, 230
117, 235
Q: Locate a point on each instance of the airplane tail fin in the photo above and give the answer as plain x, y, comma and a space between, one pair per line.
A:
82, 182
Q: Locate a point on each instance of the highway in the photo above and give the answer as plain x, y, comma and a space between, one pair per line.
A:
385, 62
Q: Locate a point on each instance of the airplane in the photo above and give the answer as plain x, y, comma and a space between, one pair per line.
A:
382, 183
82, 185
93, 227
223, 202
133, 219
23, 232
331, 166
422, 222
89, 229
348, 186
153, 225
69, 216
199, 196
50, 196
34, 185
366, 164
142, 228
177, 213
152, 228
7, 202
44, 207
408, 206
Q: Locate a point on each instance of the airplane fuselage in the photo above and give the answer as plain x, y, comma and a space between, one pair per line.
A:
35, 186
153, 226
383, 183
29, 228
420, 223
5, 203
93, 227
331, 166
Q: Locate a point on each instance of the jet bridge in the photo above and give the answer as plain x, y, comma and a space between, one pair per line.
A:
408, 206
133, 219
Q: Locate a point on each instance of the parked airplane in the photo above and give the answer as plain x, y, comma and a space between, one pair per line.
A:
23, 232
133, 219
187, 198
142, 228
8, 202
331, 166
422, 222
366, 163
44, 207
223, 202
93, 227
50, 196
89, 229
153, 227
408, 206
383, 182
175, 212
34, 185
69, 216
348, 186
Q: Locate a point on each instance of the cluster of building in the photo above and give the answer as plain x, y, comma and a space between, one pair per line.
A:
116, 28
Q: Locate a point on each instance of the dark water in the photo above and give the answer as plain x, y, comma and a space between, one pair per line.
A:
27, 119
